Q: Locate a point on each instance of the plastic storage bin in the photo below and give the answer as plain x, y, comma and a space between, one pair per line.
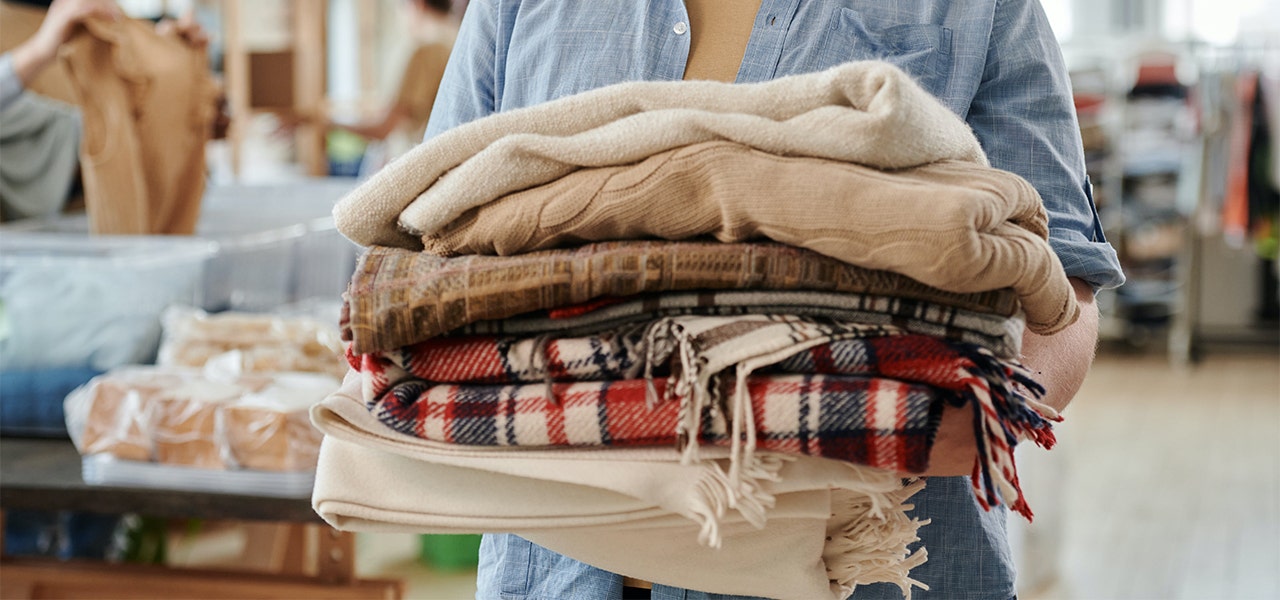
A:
252, 270
275, 244
278, 244
72, 301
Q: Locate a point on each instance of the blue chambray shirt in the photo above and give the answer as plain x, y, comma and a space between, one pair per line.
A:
994, 62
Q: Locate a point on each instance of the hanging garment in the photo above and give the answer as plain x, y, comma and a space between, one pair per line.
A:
399, 297
1235, 202
951, 225
148, 106
864, 112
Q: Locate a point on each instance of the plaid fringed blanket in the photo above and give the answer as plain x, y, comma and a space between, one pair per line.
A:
603, 402
612, 355
398, 297
870, 421
1002, 335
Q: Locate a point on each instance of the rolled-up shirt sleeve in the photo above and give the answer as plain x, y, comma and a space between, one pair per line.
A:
1024, 117
10, 84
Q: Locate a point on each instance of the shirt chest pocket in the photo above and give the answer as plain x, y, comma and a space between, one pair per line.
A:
922, 50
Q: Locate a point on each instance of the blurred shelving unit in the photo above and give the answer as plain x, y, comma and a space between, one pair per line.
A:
275, 61
1136, 136
1163, 134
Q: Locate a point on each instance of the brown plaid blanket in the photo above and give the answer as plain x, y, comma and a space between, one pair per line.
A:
399, 297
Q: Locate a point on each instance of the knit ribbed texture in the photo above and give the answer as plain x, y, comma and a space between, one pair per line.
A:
863, 112
956, 226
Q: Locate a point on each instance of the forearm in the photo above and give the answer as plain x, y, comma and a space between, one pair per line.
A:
39, 51
377, 130
11, 86
31, 57
1060, 363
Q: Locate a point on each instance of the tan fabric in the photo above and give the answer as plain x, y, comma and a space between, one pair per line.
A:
419, 84
398, 297
148, 105
718, 35
804, 527
637, 583
18, 23
864, 112
952, 225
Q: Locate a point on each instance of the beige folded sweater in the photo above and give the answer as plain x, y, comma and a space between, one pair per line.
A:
804, 527
864, 112
953, 225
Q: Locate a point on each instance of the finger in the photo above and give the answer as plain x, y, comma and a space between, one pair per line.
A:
103, 9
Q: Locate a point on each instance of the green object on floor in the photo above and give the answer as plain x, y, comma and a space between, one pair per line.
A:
450, 552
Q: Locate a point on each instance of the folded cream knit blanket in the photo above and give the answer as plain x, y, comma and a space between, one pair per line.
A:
868, 113
952, 225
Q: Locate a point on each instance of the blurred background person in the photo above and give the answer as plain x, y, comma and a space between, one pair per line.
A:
40, 137
432, 26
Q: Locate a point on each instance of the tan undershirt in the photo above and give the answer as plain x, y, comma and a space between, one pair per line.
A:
718, 35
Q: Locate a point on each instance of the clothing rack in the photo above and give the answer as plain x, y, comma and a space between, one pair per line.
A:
1215, 66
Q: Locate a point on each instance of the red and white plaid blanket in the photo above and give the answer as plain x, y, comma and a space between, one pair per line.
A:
865, 394
871, 421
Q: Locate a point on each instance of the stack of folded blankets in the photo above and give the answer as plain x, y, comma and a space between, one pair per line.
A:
690, 332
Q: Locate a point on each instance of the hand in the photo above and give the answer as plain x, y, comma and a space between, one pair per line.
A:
64, 16
186, 29
288, 122
59, 22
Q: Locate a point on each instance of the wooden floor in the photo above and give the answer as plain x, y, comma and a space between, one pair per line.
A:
1165, 485
1171, 481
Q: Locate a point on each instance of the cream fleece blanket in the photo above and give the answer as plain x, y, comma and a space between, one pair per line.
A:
952, 225
638, 512
868, 113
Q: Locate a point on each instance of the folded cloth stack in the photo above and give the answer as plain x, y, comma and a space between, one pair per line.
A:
682, 330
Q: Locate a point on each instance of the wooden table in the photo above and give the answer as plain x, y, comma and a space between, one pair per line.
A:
45, 475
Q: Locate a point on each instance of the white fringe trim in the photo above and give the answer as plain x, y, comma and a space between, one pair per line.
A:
716, 493
868, 536
869, 531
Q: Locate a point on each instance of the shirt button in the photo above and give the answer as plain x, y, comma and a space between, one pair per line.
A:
680, 28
